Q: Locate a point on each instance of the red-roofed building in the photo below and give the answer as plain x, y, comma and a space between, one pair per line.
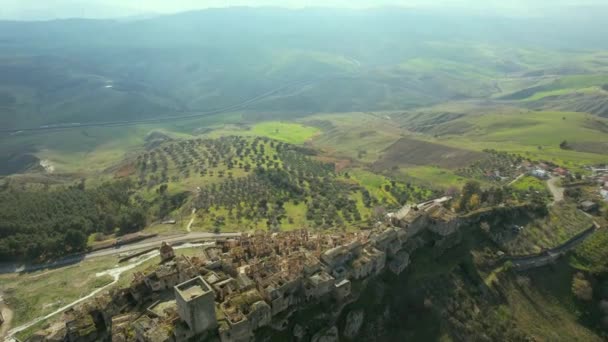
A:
561, 171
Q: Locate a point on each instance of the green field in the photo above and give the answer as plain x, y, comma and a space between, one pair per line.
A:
28, 294
288, 132
556, 85
532, 134
591, 255
388, 190
529, 183
535, 134
373, 183
542, 94
355, 136
434, 176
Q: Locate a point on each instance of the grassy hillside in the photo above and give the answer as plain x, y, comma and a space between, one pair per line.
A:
249, 183
443, 297
563, 222
534, 134
283, 131
581, 93
560, 86
432, 83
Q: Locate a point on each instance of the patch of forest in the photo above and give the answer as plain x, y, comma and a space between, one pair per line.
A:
40, 225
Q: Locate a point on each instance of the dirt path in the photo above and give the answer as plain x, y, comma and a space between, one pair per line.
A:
191, 221
516, 179
7, 314
556, 190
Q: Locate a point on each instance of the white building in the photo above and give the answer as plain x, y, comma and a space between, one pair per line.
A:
540, 173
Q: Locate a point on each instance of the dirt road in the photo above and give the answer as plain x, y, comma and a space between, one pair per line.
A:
556, 190
189, 226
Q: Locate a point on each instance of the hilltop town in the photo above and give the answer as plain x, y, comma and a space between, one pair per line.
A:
237, 286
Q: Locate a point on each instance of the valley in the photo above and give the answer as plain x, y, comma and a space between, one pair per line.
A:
329, 175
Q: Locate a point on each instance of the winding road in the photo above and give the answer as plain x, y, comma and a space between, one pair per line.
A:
189, 226
533, 261
538, 260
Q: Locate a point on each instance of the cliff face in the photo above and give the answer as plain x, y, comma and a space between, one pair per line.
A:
439, 293
445, 228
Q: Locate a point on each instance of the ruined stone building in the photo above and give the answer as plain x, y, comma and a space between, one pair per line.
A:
236, 286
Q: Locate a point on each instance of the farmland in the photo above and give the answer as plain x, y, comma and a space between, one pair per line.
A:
533, 134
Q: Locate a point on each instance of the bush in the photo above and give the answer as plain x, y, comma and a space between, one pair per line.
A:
581, 287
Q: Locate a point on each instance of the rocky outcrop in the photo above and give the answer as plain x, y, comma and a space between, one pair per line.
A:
329, 335
354, 321
299, 332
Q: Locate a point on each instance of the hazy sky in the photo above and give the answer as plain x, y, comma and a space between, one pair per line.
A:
51, 9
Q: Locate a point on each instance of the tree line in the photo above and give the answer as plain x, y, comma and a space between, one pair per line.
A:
39, 225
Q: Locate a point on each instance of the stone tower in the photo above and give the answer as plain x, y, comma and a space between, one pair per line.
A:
196, 305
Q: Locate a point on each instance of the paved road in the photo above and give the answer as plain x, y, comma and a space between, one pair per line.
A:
144, 244
556, 190
153, 242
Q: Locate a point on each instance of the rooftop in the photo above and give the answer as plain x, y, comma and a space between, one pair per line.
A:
193, 288
164, 309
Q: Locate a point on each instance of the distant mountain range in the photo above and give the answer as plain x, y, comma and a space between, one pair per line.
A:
305, 61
